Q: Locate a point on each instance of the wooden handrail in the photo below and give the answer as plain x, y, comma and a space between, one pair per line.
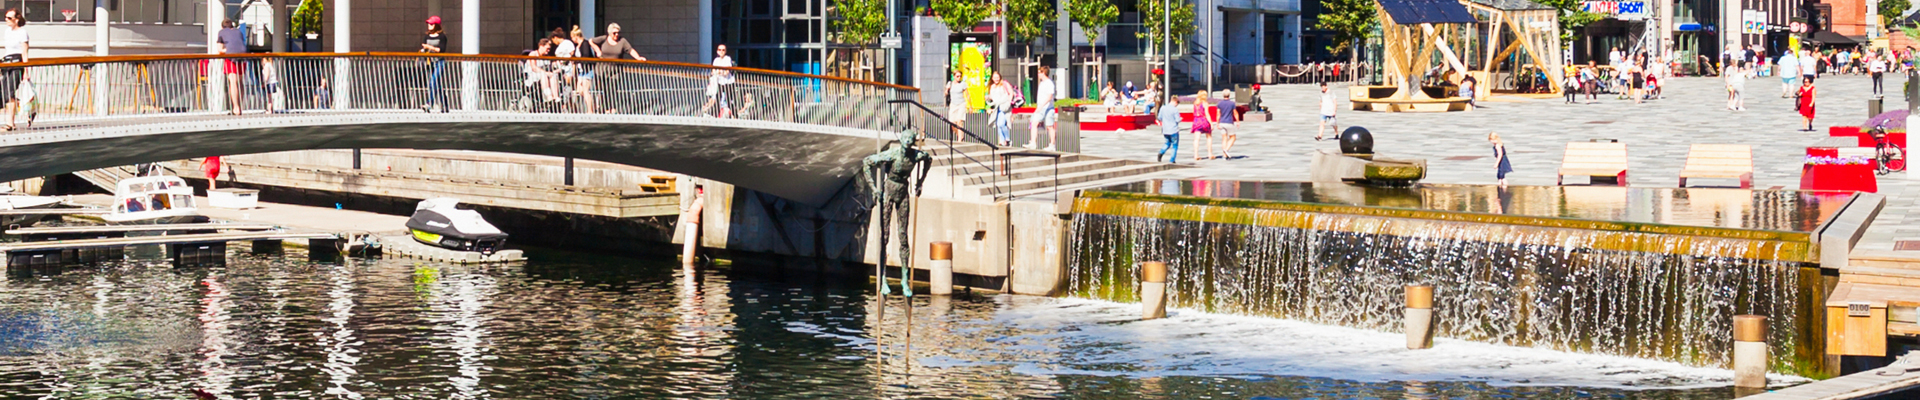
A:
52, 61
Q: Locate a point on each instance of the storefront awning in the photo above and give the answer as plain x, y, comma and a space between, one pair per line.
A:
1831, 38
1410, 12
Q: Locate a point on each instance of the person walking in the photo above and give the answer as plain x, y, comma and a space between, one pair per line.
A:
1877, 67
1326, 114
720, 83
1809, 66
1202, 126
1570, 84
232, 41
1501, 165
1169, 118
957, 101
1806, 105
435, 42
1001, 94
1789, 70
11, 78
1737, 86
1044, 112
1636, 80
1226, 126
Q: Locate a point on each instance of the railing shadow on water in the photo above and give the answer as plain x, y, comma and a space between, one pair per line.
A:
85, 88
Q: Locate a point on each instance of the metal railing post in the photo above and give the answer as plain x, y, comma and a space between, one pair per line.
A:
99, 74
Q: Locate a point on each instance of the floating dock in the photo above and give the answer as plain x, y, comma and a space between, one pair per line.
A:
98, 229
189, 249
55, 211
405, 246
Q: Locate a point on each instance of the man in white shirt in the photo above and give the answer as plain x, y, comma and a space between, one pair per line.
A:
1043, 113
1326, 113
1789, 74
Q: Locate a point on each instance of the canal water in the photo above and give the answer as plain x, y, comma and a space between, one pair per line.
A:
568, 325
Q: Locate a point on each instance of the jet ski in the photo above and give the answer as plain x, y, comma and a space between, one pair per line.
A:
437, 223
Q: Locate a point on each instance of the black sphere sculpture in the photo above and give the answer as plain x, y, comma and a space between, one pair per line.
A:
1356, 140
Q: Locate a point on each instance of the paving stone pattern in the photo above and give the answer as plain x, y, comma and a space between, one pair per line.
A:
1657, 132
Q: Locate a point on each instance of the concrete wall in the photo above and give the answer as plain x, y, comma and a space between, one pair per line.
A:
1245, 37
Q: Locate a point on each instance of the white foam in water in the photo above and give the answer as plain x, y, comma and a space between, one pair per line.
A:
1046, 336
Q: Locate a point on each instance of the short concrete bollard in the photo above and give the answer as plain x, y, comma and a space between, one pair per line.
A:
1419, 316
941, 268
1750, 351
1153, 290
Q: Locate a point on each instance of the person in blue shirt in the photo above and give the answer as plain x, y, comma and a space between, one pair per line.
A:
1169, 119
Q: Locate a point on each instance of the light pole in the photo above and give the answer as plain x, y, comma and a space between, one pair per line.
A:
1166, 47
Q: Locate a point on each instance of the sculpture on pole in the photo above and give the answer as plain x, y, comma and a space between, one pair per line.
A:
894, 173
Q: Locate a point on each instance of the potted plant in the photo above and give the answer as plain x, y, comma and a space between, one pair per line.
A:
306, 22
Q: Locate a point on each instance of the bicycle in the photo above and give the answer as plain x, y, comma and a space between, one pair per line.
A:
1890, 158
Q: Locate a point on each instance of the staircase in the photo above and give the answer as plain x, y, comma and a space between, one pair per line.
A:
967, 172
108, 178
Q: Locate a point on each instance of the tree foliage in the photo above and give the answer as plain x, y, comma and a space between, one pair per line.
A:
306, 19
1093, 15
1572, 20
1890, 11
961, 15
1350, 20
861, 21
1029, 19
1155, 17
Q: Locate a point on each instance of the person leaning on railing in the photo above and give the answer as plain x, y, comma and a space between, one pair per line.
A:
611, 46
10, 78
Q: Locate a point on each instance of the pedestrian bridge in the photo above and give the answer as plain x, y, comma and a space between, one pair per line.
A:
796, 136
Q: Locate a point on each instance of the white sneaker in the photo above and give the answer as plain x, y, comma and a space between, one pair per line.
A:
1049, 148
1029, 145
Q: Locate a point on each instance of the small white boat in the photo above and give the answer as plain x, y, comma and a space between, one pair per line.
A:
9, 201
154, 200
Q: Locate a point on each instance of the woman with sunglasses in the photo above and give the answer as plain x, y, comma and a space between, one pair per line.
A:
16, 43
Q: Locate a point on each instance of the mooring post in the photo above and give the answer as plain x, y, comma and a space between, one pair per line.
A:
941, 274
1153, 290
1750, 351
1419, 316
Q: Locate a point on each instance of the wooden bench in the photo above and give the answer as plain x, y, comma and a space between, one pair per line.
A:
659, 184
1719, 161
1596, 161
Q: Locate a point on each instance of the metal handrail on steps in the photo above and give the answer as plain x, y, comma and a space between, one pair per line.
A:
928, 118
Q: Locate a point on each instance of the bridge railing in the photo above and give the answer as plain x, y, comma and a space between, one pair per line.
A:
83, 88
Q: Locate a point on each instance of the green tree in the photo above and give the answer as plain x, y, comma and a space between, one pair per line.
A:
1890, 11
1029, 19
861, 21
961, 14
306, 19
1155, 17
1350, 20
1092, 15
1572, 20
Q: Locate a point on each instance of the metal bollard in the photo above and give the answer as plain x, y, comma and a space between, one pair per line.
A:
1419, 315
941, 274
1153, 290
1750, 351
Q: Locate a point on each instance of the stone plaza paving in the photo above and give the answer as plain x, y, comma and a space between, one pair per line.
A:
1658, 134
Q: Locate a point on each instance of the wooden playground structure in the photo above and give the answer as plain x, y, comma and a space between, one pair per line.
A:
1421, 70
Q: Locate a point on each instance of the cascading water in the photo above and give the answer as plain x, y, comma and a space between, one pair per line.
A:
1650, 295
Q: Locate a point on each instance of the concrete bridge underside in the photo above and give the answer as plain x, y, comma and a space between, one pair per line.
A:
802, 162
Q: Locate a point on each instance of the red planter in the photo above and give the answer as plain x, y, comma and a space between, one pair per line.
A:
1854, 177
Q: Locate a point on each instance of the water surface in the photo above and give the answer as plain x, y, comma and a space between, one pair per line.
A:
575, 326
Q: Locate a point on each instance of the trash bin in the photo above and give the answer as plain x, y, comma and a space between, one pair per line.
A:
1873, 107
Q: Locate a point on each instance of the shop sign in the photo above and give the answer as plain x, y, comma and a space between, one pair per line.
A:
1617, 9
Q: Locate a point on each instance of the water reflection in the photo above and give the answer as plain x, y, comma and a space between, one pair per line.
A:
1783, 210
593, 327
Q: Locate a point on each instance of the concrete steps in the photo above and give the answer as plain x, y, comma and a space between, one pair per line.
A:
976, 171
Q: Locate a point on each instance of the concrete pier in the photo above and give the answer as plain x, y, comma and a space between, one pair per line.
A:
1153, 290
1419, 317
1750, 351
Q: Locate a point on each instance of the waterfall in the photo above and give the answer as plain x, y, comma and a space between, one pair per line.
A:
1618, 292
